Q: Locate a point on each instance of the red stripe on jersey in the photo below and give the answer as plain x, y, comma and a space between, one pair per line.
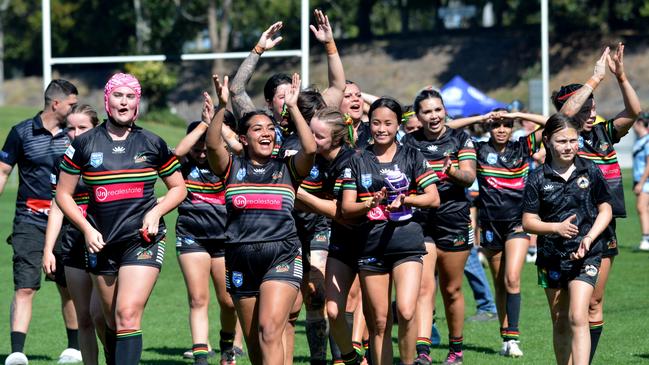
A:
115, 172
210, 198
71, 163
500, 183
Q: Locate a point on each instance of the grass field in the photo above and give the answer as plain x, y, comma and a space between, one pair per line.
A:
166, 331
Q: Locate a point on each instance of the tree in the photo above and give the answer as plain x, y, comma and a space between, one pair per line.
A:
3, 10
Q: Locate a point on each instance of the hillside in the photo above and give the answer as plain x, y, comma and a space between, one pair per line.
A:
498, 62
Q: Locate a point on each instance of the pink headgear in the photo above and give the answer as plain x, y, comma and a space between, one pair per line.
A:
119, 80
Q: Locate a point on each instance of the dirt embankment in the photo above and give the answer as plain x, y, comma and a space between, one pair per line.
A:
501, 63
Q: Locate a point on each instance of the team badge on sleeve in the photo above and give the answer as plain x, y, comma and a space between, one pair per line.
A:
314, 172
53, 179
347, 174
96, 159
70, 152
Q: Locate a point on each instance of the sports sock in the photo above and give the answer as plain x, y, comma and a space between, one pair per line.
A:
350, 358
226, 341
423, 345
349, 318
335, 350
18, 341
513, 314
73, 338
366, 347
317, 331
596, 329
200, 351
455, 343
128, 347
109, 350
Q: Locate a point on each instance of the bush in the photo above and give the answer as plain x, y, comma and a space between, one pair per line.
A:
164, 116
156, 79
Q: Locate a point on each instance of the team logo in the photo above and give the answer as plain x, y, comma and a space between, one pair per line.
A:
590, 270
603, 146
518, 161
314, 172
289, 153
118, 150
139, 158
278, 175
612, 244
258, 171
347, 173
320, 237
366, 180
96, 159
548, 187
582, 182
69, 152
459, 241
281, 268
448, 153
237, 279
241, 173
194, 174
581, 142
144, 254
489, 235
432, 148
239, 201
492, 158
554, 275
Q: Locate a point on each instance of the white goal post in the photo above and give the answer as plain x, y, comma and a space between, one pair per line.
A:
49, 61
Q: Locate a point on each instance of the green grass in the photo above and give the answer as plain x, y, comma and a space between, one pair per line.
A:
166, 330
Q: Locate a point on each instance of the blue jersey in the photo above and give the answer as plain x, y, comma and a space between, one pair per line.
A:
640, 153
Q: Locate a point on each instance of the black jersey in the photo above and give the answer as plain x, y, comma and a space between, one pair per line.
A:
202, 214
455, 143
364, 135
367, 176
35, 150
554, 199
81, 193
502, 176
597, 146
259, 200
121, 176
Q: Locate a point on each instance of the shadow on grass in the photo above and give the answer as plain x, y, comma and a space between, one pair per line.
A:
165, 362
642, 356
169, 351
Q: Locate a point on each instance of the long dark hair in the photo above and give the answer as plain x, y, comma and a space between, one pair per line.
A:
242, 125
386, 102
556, 123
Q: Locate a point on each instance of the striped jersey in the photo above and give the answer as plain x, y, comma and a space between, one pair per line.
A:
121, 176
81, 193
455, 143
366, 175
259, 200
596, 145
502, 176
202, 214
35, 150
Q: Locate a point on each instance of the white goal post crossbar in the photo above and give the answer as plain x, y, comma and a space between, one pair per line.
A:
49, 61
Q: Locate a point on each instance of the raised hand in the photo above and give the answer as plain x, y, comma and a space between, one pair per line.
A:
208, 109
266, 41
566, 229
290, 97
616, 62
600, 65
221, 89
323, 32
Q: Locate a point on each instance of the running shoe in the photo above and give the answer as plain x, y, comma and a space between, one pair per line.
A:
483, 316
511, 349
530, 258
228, 358
644, 245
238, 351
453, 358
16, 358
70, 356
423, 359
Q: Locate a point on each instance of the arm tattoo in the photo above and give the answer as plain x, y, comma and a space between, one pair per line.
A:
241, 102
576, 101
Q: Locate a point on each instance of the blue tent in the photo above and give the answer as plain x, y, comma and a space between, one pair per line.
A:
464, 100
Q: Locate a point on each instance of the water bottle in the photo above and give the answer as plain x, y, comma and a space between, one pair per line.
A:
397, 183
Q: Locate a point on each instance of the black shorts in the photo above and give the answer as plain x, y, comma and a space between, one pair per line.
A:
137, 252
448, 231
344, 247
59, 274
27, 241
610, 240
494, 234
73, 250
187, 244
556, 273
247, 266
386, 264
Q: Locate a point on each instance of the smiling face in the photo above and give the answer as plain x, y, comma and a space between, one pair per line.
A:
384, 126
78, 124
432, 115
352, 102
259, 139
564, 145
501, 130
122, 105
